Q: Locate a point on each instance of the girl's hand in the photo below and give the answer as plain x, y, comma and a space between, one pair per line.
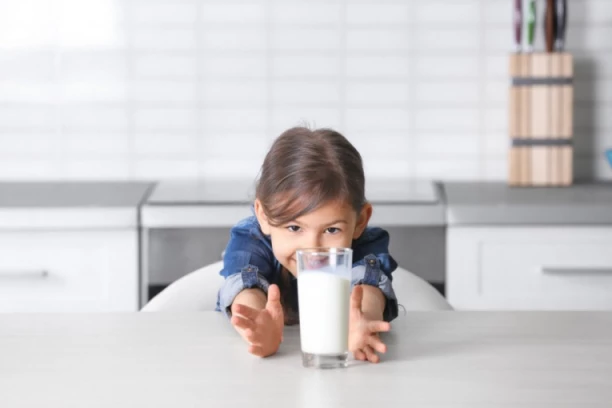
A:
262, 329
364, 342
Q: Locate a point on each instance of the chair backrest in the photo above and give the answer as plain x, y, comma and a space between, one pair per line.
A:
193, 292
416, 294
197, 291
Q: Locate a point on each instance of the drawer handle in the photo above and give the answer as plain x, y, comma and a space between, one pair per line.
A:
578, 270
24, 273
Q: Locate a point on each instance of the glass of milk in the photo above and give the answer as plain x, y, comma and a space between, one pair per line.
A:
324, 286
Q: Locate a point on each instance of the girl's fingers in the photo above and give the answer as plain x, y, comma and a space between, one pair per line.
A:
273, 304
375, 343
371, 355
253, 337
359, 355
248, 327
243, 323
246, 311
273, 295
379, 326
357, 297
256, 350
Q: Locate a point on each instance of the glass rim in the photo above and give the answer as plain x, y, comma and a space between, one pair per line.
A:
324, 251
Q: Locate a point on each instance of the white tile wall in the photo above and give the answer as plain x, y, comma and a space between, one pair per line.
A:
283, 118
378, 12
381, 39
147, 89
458, 12
306, 13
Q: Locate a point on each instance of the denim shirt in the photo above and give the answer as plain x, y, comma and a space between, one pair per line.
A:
250, 263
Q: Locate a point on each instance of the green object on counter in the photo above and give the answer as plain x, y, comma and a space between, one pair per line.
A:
531, 23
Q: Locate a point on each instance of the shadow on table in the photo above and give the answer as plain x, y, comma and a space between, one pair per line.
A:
402, 344
403, 347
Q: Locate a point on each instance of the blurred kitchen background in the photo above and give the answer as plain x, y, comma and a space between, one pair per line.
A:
108, 89
166, 108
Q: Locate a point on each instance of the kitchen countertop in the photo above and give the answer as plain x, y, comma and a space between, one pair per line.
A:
72, 194
495, 203
203, 203
210, 203
434, 359
71, 204
242, 191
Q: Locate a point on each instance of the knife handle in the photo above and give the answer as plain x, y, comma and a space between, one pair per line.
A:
561, 17
531, 23
518, 23
549, 26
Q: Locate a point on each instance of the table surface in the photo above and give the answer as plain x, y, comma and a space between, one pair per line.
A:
435, 359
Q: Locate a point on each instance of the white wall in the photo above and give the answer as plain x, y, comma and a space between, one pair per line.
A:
119, 89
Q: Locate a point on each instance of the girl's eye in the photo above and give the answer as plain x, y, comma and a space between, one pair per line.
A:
332, 230
293, 228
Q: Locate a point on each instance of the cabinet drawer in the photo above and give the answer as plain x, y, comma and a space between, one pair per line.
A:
68, 271
530, 268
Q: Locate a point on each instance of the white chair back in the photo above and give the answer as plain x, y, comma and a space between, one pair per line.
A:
197, 291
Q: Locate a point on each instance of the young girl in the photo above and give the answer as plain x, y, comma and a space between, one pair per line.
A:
310, 194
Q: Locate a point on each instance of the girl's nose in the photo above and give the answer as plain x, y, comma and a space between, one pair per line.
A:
313, 241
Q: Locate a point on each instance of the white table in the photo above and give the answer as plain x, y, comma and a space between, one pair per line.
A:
444, 359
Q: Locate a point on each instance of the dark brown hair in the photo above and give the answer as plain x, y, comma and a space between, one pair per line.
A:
305, 169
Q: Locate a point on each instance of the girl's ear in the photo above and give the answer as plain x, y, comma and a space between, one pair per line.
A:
362, 220
261, 217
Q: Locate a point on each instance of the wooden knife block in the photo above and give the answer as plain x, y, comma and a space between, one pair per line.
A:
541, 119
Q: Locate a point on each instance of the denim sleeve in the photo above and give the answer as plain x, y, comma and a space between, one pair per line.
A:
373, 265
248, 262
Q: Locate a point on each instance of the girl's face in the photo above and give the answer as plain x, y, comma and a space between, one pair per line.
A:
331, 225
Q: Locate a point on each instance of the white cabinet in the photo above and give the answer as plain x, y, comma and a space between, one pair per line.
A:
51, 270
521, 268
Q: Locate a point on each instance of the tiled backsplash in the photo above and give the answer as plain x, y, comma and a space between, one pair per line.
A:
184, 88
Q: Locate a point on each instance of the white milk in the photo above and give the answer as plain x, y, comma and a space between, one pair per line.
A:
324, 312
